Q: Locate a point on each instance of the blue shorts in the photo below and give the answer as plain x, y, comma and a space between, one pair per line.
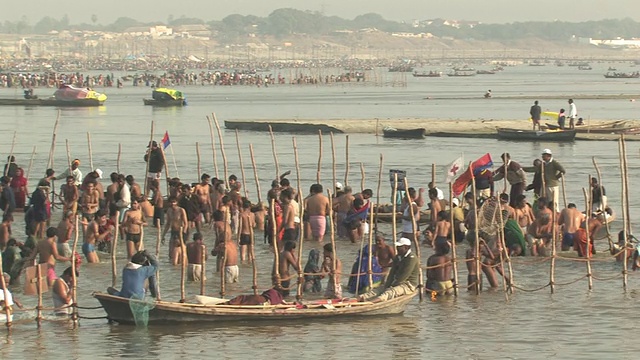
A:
88, 248
567, 239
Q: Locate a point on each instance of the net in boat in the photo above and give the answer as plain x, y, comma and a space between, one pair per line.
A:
140, 307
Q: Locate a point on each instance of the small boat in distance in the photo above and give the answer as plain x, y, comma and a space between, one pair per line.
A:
427, 74
166, 97
617, 75
532, 135
64, 96
401, 68
485, 72
462, 73
585, 67
389, 132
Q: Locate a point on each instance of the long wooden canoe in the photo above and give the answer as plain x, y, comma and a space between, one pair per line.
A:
165, 103
119, 310
418, 133
531, 135
51, 102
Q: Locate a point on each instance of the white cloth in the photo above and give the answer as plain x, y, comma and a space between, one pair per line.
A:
573, 111
407, 225
125, 197
77, 176
231, 274
9, 302
440, 194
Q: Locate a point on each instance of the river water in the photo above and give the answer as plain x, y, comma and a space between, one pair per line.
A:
572, 323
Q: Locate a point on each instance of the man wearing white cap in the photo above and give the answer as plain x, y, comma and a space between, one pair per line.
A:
403, 277
553, 171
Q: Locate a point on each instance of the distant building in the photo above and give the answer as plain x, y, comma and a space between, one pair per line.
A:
611, 43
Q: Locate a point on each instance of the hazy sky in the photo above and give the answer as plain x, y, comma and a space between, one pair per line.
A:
487, 11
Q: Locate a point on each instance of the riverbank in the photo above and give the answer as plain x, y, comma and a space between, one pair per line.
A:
433, 127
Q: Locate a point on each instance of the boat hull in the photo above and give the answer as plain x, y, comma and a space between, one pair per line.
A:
164, 103
118, 310
419, 133
514, 134
51, 102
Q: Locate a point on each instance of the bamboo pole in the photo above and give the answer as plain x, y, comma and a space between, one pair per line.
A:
319, 157
454, 258
586, 228
52, 149
146, 173
300, 268
275, 154
333, 159
90, 151
183, 268
564, 192
118, 159
5, 291
362, 177
394, 206
554, 230
203, 261
13, 144
478, 283
606, 223
433, 174
297, 163
74, 283
415, 239
198, 161
254, 266
166, 169
625, 209
346, 166
33, 154
244, 179
274, 243
213, 147
377, 209
66, 141
255, 173
114, 248
333, 243
223, 260
222, 152
158, 241
503, 249
39, 291
370, 257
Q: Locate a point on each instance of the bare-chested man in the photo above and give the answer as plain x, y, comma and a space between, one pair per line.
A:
247, 223
5, 230
110, 196
439, 278
229, 252
435, 205
384, 253
288, 216
524, 213
48, 254
443, 228
570, 219
286, 260
203, 191
317, 207
341, 206
69, 196
132, 224
65, 229
176, 221
90, 202
506, 208
195, 251
93, 235
541, 229
134, 187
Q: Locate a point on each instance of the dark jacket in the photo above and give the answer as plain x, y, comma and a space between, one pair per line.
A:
155, 159
404, 270
535, 112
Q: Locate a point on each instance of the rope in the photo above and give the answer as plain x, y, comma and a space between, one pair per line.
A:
89, 308
571, 282
530, 290
607, 278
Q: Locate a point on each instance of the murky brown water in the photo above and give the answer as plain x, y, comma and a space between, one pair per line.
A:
572, 323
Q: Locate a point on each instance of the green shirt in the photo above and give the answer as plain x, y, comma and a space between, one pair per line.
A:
404, 270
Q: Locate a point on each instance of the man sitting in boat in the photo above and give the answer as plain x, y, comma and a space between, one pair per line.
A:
28, 94
142, 266
403, 277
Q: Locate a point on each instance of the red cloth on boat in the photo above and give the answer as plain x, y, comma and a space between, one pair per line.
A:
581, 243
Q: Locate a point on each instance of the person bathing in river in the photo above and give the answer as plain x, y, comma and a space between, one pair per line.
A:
439, 278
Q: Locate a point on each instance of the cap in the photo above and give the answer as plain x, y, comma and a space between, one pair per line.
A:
99, 172
403, 242
456, 202
338, 185
153, 143
546, 152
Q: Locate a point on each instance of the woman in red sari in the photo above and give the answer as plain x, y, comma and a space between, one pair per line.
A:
19, 186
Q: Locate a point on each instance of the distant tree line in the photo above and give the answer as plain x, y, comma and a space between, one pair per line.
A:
283, 22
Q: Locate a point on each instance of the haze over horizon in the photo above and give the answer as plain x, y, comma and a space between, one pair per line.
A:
488, 11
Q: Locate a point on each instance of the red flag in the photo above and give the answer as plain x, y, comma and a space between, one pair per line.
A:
462, 181
165, 141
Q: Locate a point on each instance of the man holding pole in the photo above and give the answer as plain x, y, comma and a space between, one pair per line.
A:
155, 163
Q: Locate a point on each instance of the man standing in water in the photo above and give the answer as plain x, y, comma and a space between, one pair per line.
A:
515, 176
573, 114
93, 235
155, 160
286, 260
553, 171
133, 222
195, 250
176, 221
203, 192
48, 251
570, 220
536, 113
317, 207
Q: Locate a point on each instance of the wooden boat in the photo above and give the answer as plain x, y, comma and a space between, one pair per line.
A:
401, 68
485, 72
616, 75
585, 67
418, 133
515, 134
429, 74
51, 102
165, 312
599, 129
167, 103
462, 73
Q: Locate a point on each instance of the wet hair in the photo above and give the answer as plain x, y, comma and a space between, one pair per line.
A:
442, 247
246, 203
367, 192
287, 193
51, 232
571, 206
285, 182
218, 215
328, 248
129, 178
139, 258
172, 199
289, 245
520, 197
49, 172
233, 178
225, 199
543, 201
442, 215
70, 177
316, 189
121, 177
358, 203
113, 176
101, 213
205, 176
197, 236
504, 197
412, 192
69, 272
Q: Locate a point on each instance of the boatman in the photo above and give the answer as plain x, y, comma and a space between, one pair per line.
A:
403, 277
515, 176
573, 114
535, 112
155, 159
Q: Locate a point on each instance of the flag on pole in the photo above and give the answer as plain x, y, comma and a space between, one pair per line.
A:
454, 168
462, 181
165, 141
